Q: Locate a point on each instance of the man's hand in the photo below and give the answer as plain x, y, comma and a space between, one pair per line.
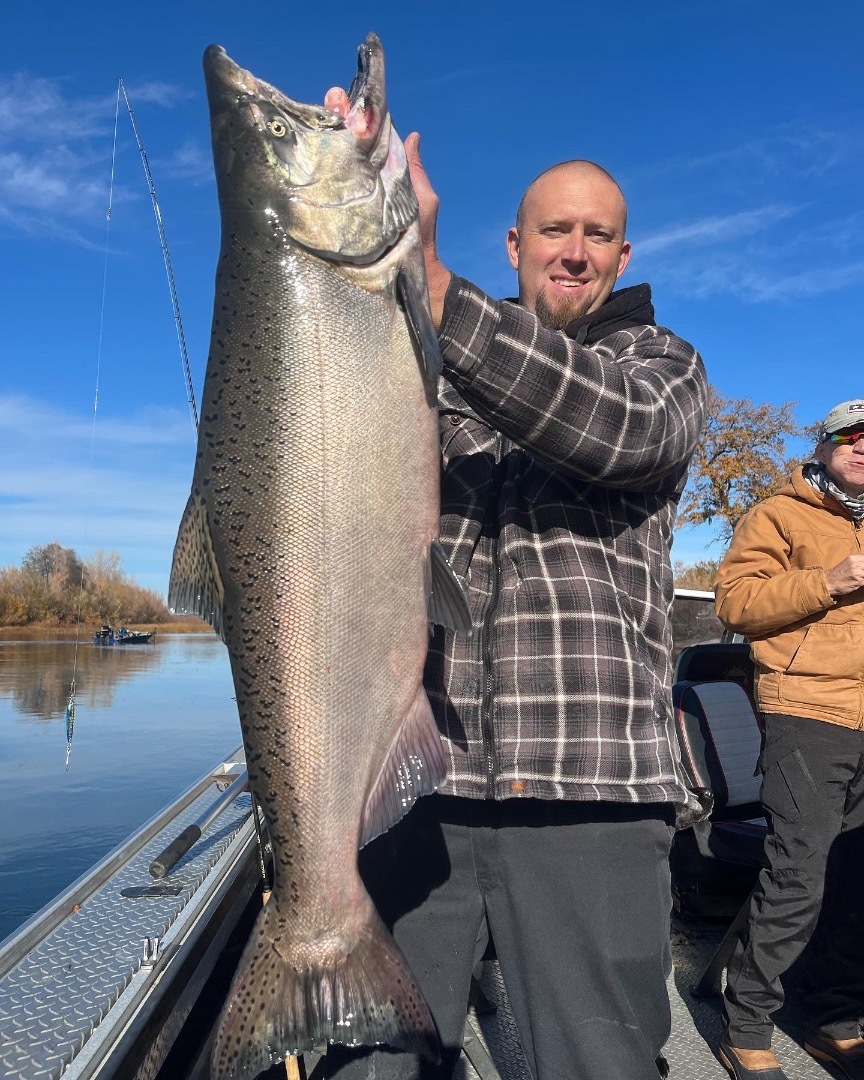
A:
846, 576
437, 275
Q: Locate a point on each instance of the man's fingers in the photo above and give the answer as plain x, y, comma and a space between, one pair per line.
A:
412, 147
337, 100
415, 163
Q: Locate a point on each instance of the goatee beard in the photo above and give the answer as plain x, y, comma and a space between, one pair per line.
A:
560, 317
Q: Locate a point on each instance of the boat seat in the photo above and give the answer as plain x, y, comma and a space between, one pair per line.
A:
729, 661
720, 741
716, 862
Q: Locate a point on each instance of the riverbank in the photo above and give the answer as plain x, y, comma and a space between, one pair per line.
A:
185, 624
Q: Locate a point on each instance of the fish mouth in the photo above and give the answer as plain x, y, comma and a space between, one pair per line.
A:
368, 119
229, 85
333, 175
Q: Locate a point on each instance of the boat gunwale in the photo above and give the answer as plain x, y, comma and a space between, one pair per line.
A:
20, 942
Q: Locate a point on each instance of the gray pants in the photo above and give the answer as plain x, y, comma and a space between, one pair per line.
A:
812, 890
577, 899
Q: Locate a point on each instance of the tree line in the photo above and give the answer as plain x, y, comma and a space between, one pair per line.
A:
741, 459
53, 586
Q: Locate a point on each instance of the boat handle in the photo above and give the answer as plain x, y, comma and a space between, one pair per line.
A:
178, 847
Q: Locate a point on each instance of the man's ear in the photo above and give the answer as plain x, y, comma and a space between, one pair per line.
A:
513, 247
623, 258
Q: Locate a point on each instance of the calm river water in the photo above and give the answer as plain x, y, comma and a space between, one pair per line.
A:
149, 721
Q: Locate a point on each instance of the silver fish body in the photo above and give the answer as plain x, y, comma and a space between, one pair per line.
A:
309, 542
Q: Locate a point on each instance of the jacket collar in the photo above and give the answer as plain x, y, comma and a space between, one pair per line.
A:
624, 308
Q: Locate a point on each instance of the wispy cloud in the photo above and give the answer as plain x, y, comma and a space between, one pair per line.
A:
801, 149
55, 152
757, 281
754, 255
190, 161
166, 95
714, 229
21, 417
37, 110
118, 484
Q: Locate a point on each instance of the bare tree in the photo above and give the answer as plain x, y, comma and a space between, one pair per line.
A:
741, 459
698, 575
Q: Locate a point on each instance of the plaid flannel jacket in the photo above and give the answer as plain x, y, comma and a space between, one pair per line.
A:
563, 467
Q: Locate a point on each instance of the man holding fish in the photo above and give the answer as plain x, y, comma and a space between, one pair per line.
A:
319, 541
567, 423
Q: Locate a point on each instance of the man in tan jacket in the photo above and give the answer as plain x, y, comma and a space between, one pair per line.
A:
793, 583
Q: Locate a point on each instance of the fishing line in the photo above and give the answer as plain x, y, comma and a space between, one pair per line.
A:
169, 270
187, 376
181, 342
70, 704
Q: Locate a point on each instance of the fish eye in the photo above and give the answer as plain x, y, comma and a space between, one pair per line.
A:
278, 128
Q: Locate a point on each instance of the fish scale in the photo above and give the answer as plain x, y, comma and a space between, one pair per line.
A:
309, 542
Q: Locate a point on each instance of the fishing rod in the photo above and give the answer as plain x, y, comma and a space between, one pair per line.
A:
169, 857
192, 833
178, 323
166, 256
70, 704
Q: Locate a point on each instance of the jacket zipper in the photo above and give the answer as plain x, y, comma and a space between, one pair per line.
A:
486, 711
486, 726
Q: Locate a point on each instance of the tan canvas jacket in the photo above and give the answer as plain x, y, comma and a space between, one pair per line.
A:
771, 586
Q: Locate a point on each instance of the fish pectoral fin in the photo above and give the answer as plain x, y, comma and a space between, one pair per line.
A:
411, 290
448, 605
281, 1004
195, 584
415, 766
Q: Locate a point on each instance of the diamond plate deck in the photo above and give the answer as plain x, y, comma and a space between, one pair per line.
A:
57, 995
696, 1023
61, 999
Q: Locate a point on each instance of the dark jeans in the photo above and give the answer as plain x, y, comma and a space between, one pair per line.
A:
577, 899
813, 887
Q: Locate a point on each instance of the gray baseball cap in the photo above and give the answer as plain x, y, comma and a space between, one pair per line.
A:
845, 415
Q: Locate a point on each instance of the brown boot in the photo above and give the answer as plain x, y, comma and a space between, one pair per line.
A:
744, 1064
846, 1054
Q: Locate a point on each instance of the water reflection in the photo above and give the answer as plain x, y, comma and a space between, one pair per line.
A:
150, 720
38, 674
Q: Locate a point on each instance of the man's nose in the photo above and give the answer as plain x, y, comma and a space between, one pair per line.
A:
574, 248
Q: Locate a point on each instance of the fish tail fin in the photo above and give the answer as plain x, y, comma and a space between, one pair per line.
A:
365, 996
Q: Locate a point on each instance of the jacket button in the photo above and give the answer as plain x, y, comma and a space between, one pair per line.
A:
454, 420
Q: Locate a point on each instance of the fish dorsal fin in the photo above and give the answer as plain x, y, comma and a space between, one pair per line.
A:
448, 605
411, 290
415, 766
196, 584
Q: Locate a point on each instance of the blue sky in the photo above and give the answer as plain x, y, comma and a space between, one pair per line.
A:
735, 131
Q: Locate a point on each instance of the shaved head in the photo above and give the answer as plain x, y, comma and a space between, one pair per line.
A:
568, 246
576, 167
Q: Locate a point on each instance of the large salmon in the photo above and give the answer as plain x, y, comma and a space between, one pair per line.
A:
309, 542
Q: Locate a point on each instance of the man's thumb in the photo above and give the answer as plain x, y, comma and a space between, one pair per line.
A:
412, 148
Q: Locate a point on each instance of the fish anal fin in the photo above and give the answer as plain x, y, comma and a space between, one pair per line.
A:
276, 1007
448, 605
412, 292
195, 584
415, 766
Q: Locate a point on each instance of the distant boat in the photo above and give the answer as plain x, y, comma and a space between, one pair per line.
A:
107, 635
